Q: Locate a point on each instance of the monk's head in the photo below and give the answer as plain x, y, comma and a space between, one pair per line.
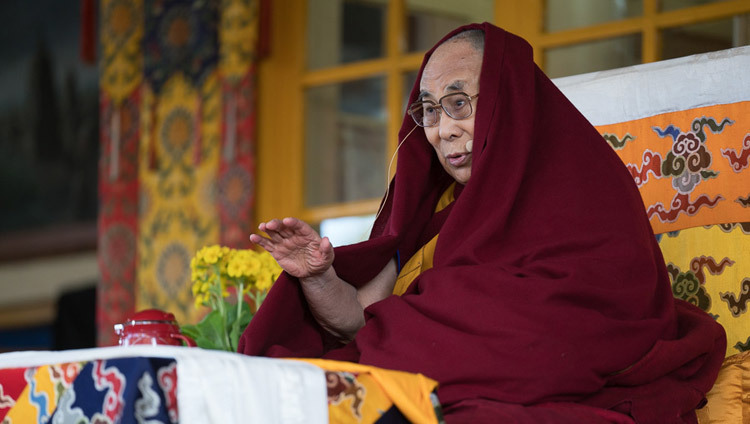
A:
446, 107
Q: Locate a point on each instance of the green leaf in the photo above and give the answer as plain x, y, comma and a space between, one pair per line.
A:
215, 332
246, 316
205, 343
234, 337
208, 333
190, 330
235, 331
211, 332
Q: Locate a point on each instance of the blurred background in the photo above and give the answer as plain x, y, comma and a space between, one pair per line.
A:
134, 132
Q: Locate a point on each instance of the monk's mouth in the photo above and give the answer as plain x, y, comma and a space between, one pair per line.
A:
458, 159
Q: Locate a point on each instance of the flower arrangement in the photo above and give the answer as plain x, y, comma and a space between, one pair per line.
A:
218, 274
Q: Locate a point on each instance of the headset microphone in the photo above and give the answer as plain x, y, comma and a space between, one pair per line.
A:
469, 145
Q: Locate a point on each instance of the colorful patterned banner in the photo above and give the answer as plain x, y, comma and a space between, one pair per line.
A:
238, 34
690, 165
12, 384
190, 182
181, 37
710, 268
178, 197
199, 190
121, 75
122, 59
42, 389
366, 394
125, 390
105, 387
237, 164
181, 140
118, 217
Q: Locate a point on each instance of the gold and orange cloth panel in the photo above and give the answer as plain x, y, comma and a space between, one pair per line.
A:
365, 394
691, 167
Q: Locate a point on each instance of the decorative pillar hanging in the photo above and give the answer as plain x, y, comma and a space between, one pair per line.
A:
177, 160
238, 35
181, 139
121, 76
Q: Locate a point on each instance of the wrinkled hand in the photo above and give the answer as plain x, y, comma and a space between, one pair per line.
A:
297, 248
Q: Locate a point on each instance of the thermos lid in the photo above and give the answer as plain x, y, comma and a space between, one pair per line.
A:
153, 319
151, 315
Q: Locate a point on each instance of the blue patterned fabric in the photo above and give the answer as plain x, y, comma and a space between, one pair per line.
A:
127, 390
180, 36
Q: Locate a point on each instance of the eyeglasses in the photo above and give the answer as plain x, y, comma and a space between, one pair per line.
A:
456, 105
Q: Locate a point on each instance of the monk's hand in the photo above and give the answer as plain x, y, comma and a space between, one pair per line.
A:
298, 249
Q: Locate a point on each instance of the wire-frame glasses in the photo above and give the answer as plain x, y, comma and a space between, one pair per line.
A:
426, 113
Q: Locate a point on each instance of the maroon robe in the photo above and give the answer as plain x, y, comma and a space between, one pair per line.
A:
548, 300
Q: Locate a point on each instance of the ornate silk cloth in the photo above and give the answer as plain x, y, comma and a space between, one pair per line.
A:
178, 146
167, 384
124, 390
121, 64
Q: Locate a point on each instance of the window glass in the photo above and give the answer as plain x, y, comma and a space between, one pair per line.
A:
567, 14
347, 229
345, 142
705, 37
343, 31
593, 56
427, 21
667, 5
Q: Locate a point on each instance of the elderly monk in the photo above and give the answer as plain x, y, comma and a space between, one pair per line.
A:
512, 262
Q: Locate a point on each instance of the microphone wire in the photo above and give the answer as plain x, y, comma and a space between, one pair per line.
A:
388, 182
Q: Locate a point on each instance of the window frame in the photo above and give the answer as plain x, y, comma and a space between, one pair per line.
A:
284, 78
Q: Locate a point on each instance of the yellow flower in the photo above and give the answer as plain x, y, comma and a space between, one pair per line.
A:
211, 254
219, 271
234, 269
243, 263
269, 262
216, 269
201, 300
253, 266
266, 257
242, 254
200, 289
199, 274
264, 279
